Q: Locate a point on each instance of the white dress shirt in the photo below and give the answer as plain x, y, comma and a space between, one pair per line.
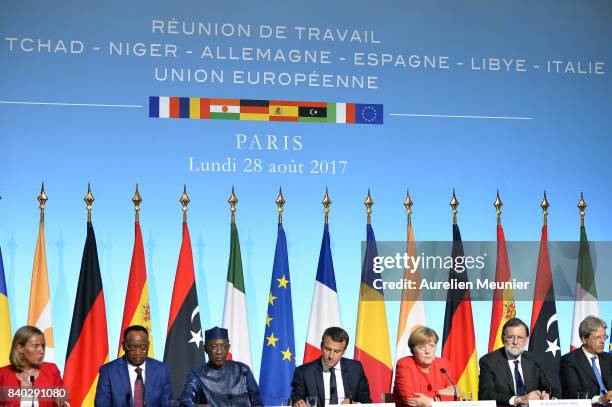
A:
339, 383
132, 372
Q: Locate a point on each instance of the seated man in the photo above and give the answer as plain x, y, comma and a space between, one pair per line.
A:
587, 371
332, 378
511, 375
220, 382
134, 379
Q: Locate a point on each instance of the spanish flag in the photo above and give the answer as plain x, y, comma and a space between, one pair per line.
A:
458, 340
503, 307
5, 319
137, 310
88, 342
372, 345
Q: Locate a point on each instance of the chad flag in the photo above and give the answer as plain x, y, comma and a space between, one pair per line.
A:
88, 343
372, 345
5, 319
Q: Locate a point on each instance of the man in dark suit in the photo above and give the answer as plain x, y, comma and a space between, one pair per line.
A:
587, 371
510, 375
332, 379
134, 380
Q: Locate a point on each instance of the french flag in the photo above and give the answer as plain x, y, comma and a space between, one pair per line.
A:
324, 311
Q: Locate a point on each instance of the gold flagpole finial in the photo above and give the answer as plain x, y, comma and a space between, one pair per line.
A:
184, 201
42, 199
326, 203
408, 204
454, 203
498, 205
89, 200
280, 201
368, 204
545, 205
233, 200
582, 206
137, 199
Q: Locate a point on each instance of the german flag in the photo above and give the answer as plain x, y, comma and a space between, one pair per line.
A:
372, 345
251, 109
88, 343
458, 340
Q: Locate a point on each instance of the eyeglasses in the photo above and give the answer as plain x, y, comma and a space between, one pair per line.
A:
518, 338
217, 347
600, 338
136, 348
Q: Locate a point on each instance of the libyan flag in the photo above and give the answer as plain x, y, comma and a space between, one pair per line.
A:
184, 346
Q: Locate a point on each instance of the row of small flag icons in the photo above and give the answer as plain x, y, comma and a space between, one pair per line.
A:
170, 107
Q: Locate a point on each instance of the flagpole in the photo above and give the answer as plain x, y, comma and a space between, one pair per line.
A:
42, 199
89, 200
184, 201
582, 206
498, 205
233, 200
454, 203
368, 204
326, 204
408, 204
137, 199
545, 205
280, 201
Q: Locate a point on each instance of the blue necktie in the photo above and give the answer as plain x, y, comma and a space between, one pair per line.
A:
602, 387
333, 391
520, 385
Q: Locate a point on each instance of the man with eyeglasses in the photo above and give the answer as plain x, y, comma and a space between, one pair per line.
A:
510, 375
134, 379
586, 372
220, 382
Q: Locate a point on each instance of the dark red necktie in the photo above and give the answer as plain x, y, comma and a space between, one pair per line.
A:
138, 389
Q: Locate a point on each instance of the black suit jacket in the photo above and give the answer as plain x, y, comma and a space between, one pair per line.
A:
308, 381
496, 381
577, 373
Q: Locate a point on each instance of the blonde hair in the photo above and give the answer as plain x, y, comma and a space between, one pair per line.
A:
21, 338
421, 336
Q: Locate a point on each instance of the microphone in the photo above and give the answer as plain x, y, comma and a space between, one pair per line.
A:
32, 384
445, 373
547, 383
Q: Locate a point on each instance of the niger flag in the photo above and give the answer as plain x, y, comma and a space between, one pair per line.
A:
136, 310
372, 347
88, 343
458, 341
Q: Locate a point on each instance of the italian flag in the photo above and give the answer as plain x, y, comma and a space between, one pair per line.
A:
585, 300
235, 310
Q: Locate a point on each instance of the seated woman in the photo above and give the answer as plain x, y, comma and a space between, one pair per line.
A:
27, 370
419, 379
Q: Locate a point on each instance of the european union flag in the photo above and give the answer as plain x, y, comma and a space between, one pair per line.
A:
278, 354
368, 114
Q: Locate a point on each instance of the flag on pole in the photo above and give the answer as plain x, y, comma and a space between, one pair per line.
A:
372, 345
5, 319
458, 340
184, 348
39, 311
235, 318
503, 306
544, 339
278, 354
137, 310
324, 310
585, 299
88, 342
412, 309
